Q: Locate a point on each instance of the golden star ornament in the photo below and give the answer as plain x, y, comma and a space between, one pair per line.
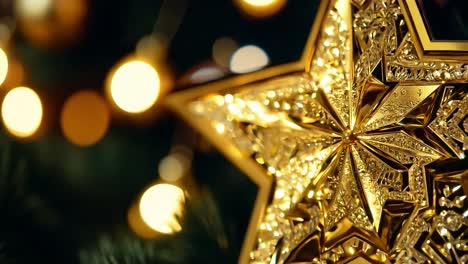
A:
358, 149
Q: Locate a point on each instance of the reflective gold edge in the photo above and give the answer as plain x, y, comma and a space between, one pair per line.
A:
178, 103
253, 170
428, 49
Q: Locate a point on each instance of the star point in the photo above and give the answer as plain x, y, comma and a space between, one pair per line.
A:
346, 143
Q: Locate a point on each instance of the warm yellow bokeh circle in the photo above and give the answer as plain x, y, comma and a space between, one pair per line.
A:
260, 8
160, 205
260, 2
135, 86
248, 58
22, 112
3, 66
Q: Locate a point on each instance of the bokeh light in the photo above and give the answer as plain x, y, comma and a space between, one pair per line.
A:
15, 75
253, 2
85, 118
137, 225
135, 86
248, 58
22, 112
175, 165
33, 9
51, 23
3, 65
206, 74
260, 8
152, 47
223, 48
160, 206
5, 32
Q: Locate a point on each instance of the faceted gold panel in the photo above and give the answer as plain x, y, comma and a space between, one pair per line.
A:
354, 146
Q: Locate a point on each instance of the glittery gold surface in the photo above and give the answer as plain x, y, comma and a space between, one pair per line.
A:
356, 146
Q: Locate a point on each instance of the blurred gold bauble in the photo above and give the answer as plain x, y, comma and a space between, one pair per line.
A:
51, 23
260, 8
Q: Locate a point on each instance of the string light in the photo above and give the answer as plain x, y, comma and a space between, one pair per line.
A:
22, 112
260, 8
160, 207
135, 86
248, 58
3, 65
85, 118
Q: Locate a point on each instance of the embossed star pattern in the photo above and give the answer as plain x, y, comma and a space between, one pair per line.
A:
346, 142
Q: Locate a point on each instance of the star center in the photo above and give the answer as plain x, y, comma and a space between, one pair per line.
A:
349, 136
